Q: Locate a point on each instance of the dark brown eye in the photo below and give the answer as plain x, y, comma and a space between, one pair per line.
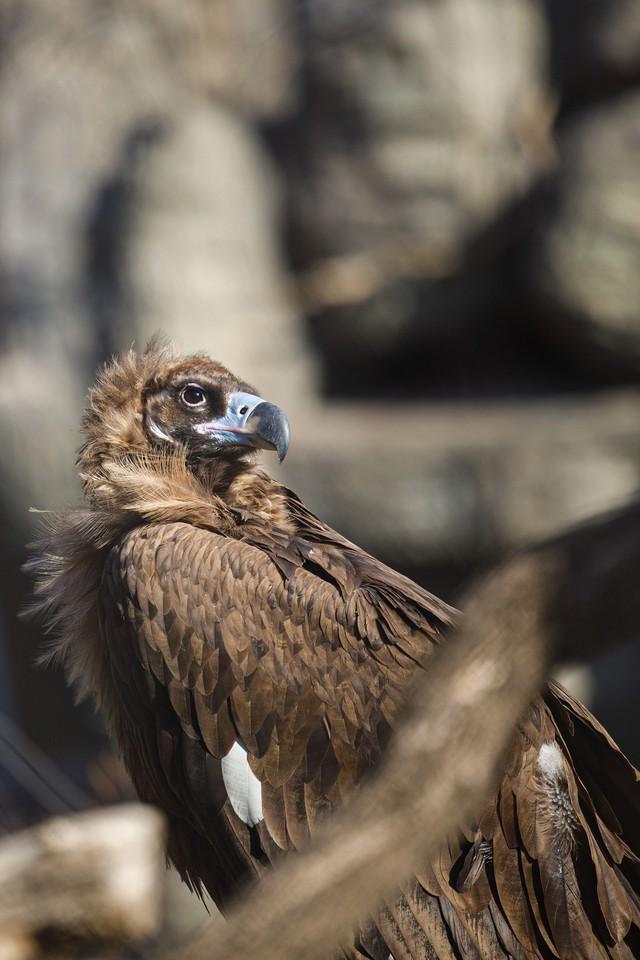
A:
193, 396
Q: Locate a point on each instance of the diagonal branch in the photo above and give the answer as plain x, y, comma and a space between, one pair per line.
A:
556, 600
436, 773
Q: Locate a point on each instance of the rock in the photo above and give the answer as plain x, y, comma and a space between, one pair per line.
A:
82, 83
595, 48
416, 124
201, 260
417, 130
98, 874
87, 87
424, 486
585, 269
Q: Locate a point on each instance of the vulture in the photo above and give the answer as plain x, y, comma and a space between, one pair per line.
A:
251, 663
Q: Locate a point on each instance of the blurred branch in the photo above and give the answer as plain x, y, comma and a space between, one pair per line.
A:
541, 605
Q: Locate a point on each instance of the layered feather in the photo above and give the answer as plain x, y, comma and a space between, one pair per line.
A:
214, 617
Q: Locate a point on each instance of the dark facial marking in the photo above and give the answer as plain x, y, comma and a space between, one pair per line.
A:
186, 398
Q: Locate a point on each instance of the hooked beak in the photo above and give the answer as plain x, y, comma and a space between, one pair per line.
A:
250, 421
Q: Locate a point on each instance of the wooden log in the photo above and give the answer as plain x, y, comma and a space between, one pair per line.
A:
97, 875
17, 946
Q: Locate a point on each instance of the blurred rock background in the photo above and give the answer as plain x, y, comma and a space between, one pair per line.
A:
416, 225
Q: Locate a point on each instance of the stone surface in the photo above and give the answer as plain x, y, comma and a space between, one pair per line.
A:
88, 88
586, 267
425, 485
201, 264
416, 129
97, 874
84, 86
595, 47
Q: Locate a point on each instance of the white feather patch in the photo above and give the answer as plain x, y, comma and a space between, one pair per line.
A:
243, 787
560, 808
550, 761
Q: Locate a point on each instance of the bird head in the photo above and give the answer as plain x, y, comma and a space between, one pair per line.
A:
159, 402
199, 404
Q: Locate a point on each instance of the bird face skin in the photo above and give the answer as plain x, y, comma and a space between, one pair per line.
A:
208, 413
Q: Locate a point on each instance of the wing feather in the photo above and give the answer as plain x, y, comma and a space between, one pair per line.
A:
299, 650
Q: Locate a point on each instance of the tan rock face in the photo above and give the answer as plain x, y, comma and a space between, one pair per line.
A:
416, 136
416, 130
98, 875
457, 483
586, 269
202, 265
595, 47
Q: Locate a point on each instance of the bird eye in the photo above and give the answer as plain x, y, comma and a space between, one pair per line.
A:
193, 396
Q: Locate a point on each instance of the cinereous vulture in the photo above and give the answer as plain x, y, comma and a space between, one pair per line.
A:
250, 663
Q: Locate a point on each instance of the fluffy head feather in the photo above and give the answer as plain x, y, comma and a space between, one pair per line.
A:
116, 423
129, 479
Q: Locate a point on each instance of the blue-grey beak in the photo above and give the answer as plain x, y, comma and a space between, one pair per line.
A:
250, 421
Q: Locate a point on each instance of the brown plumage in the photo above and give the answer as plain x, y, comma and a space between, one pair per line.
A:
214, 618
